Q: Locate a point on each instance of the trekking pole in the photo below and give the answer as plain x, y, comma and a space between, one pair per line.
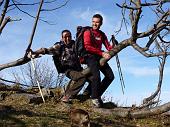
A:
115, 42
36, 78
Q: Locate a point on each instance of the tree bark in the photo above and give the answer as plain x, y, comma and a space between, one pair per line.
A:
134, 113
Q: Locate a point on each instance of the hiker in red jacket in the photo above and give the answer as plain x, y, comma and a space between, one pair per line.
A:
93, 46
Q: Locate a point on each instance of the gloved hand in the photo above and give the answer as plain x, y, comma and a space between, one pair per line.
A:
32, 54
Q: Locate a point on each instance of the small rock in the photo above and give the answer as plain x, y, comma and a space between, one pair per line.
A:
25, 98
46, 92
2, 96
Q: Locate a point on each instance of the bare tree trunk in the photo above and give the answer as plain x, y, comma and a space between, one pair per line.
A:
134, 113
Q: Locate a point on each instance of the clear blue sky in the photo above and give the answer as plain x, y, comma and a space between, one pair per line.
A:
140, 73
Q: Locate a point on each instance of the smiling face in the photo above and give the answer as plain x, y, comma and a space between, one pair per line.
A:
66, 37
96, 23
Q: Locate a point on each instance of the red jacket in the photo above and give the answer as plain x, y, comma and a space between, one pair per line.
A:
96, 47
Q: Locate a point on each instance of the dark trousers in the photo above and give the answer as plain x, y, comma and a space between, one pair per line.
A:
76, 83
97, 87
74, 87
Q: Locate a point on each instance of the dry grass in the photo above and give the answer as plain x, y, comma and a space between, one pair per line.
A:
56, 114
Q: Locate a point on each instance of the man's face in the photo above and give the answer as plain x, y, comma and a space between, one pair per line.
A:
66, 37
96, 23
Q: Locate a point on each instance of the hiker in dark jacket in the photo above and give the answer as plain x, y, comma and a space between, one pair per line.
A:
94, 54
67, 62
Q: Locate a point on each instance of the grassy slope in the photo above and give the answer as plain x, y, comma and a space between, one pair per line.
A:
55, 114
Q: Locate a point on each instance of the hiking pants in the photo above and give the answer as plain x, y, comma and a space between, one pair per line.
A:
96, 87
75, 84
74, 87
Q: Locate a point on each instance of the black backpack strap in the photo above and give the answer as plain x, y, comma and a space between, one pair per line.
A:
58, 43
92, 37
57, 61
103, 35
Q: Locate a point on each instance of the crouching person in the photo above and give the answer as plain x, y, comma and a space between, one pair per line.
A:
66, 61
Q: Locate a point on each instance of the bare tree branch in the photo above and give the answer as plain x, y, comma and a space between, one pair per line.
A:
34, 28
134, 113
4, 11
7, 19
56, 7
45, 74
18, 62
25, 12
5, 80
141, 50
161, 69
152, 39
30, 14
152, 30
136, 21
24, 4
123, 21
126, 6
116, 49
156, 3
1, 2
161, 38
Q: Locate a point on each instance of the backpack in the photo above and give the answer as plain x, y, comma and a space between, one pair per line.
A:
57, 61
67, 58
79, 46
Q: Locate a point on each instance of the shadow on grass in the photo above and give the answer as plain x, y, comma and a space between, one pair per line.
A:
8, 116
60, 115
99, 122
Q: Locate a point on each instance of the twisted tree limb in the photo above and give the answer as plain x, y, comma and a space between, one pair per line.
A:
161, 25
18, 62
116, 49
25, 59
152, 97
134, 113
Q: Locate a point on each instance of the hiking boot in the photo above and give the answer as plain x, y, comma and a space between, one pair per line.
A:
101, 102
65, 99
96, 103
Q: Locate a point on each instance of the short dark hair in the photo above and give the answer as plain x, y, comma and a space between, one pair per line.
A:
98, 16
65, 31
